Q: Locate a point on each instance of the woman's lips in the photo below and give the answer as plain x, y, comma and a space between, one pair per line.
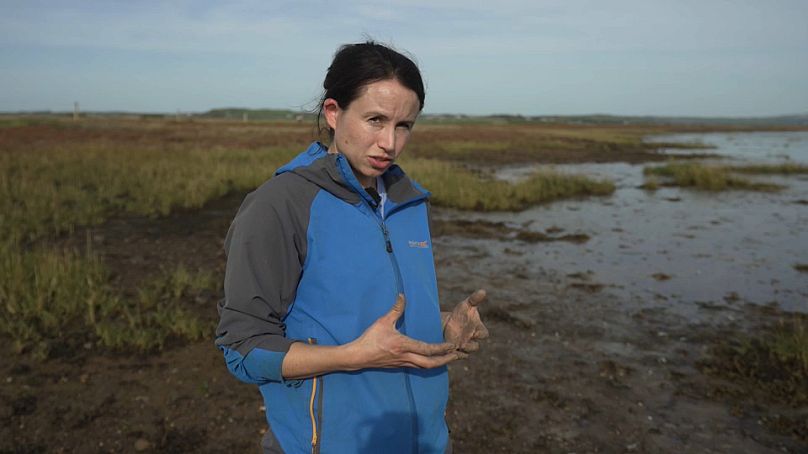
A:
379, 163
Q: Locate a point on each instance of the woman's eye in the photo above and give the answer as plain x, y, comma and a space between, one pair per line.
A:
375, 121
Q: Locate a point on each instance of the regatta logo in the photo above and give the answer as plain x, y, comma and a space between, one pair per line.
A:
419, 244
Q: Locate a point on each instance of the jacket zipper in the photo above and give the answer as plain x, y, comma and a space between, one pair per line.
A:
400, 285
389, 247
400, 288
316, 422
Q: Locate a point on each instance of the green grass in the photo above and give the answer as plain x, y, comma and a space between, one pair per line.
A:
460, 150
790, 344
704, 177
147, 322
53, 301
775, 362
651, 183
771, 169
48, 192
65, 175
456, 187
49, 297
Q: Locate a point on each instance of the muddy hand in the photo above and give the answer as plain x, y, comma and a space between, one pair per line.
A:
381, 345
463, 326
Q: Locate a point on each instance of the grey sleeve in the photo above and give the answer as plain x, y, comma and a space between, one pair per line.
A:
266, 248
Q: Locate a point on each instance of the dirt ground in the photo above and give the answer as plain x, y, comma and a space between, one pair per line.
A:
568, 368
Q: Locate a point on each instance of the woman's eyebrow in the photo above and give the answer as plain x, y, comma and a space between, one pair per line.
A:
384, 116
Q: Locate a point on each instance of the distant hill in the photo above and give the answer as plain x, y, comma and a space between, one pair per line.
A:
236, 113
782, 120
240, 114
798, 120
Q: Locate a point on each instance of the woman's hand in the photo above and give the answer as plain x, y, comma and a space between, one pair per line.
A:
463, 326
381, 345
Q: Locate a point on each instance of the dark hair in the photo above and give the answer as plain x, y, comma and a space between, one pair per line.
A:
357, 65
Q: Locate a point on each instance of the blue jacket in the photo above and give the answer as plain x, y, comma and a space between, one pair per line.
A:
309, 259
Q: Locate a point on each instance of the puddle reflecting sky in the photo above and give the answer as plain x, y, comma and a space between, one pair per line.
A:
716, 248
752, 146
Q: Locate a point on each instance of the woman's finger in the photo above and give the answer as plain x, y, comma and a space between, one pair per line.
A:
477, 297
411, 345
481, 332
429, 362
470, 347
396, 311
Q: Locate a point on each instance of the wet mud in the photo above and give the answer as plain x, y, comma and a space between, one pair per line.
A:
502, 231
569, 366
574, 367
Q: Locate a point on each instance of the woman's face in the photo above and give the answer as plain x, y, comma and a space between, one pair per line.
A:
372, 131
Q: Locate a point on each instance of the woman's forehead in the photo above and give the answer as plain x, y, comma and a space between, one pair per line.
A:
389, 97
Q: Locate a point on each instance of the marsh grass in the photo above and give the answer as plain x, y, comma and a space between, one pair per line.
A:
61, 300
651, 183
775, 361
456, 187
53, 191
157, 315
704, 177
56, 176
48, 297
771, 169
495, 144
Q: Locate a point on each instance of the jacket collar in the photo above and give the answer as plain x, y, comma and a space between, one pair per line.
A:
333, 173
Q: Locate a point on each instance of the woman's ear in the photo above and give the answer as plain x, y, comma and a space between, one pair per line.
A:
331, 111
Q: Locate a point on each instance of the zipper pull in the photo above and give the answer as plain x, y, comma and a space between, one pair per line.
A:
387, 242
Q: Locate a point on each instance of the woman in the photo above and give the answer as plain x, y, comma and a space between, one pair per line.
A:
331, 301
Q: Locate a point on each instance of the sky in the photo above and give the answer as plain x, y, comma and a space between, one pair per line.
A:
736, 58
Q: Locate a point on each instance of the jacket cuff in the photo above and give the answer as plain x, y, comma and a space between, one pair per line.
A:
264, 365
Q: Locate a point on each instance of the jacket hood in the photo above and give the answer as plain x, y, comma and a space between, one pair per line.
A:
333, 173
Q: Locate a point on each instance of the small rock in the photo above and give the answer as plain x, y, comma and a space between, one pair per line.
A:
142, 444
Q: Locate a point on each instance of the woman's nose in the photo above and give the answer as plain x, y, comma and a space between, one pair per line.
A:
387, 139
